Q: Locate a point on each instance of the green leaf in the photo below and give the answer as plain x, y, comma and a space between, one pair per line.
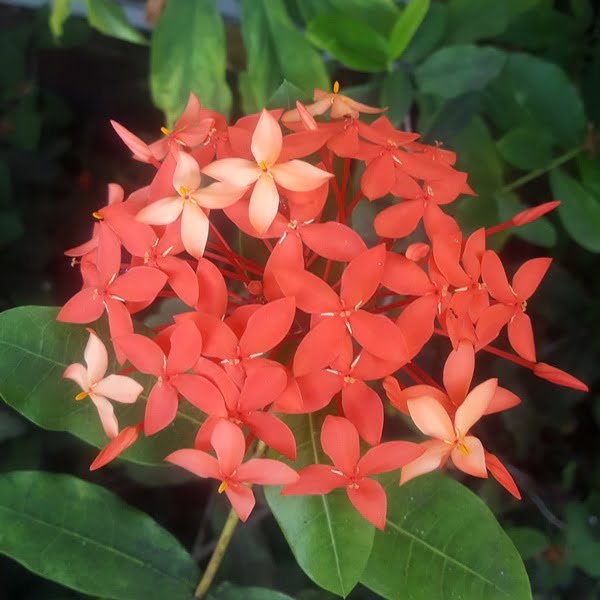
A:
109, 18
579, 210
275, 50
455, 70
86, 538
378, 14
354, 44
406, 26
35, 350
582, 544
540, 232
429, 35
228, 591
188, 54
528, 541
397, 95
285, 96
532, 92
526, 148
60, 11
328, 537
472, 20
444, 543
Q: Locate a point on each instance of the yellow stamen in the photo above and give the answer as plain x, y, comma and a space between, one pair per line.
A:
97, 215
165, 131
183, 191
263, 165
336, 87
222, 487
463, 449
81, 396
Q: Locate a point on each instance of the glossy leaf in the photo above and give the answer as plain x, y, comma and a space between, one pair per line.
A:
429, 35
228, 591
285, 96
472, 20
188, 54
582, 544
455, 70
109, 18
531, 92
445, 543
579, 209
35, 350
353, 43
526, 148
328, 537
86, 538
275, 50
378, 14
528, 541
406, 26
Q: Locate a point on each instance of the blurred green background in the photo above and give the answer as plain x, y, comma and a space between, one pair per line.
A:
513, 86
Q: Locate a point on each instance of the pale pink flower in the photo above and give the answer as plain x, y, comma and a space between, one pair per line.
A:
100, 388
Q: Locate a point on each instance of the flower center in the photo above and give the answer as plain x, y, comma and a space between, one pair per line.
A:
165, 131
263, 166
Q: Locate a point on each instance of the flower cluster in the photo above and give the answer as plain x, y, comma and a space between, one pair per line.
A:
311, 317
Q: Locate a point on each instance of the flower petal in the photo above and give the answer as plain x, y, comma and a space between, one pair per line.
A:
194, 229
202, 393
474, 406
312, 294
236, 171
267, 139
529, 276
120, 388
320, 346
96, 358
398, 220
431, 418
315, 480
333, 240
388, 456
370, 501
264, 203
434, 455
262, 387
116, 446
340, 442
299, 176
380, 336
228, 441
501, 475
161, 212
161, 407
242, 500
139, 284
84, 307
144, 354
362, 277
363, 407
77, 373
106, 414
181, 278
186, 347
520, 336
265, 471
195, 461
469, 457
494, 276
458, 371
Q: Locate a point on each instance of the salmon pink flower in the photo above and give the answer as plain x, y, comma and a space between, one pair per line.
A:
266, 172
190, 204
512, 301
339, 440
229, 445
340, 105
100, 389
450, 439
340, 317
126, 438
163, 400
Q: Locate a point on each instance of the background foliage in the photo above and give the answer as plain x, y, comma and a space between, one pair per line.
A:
513, 86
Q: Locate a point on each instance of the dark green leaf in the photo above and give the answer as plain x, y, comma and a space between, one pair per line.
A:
526, 148
397, 95
188, 54
276, 50
455, 70
472, 20
441, 120
444, 543
25, 123
379, 14
528, 541
531, 92
285, 96
109, 18
406, 26
84, 537
583, 545
579, 210
35, 350
328, 537
60, 11
354, 44
589, 170
228, 591
428, 36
